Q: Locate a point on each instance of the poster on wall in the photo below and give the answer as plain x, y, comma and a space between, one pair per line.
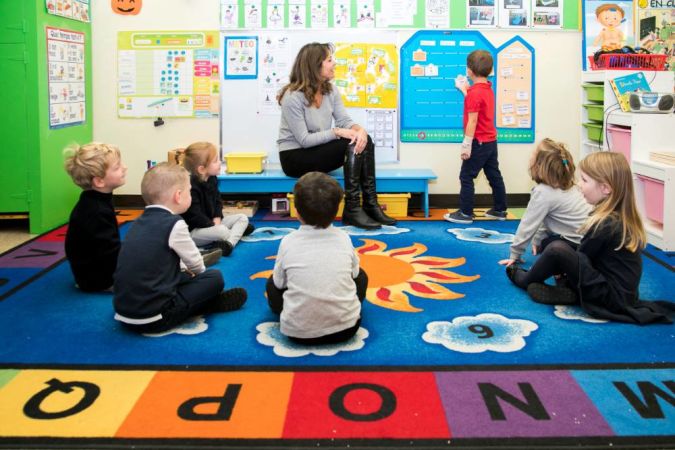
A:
229, 14
481, 13
515, 93
240, 54
72, 9
514, 13
366, 74
382, 127
608, 26
656, 29
168, 74
66, 68
547, 13
437, 14
275, 65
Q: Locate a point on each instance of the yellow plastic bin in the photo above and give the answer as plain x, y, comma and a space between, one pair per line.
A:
594, 92
395, 205
595, 112
243, 162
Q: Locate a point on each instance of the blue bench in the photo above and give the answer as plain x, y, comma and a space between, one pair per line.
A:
274, 181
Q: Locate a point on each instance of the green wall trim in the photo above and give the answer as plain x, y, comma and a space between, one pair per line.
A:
53, 193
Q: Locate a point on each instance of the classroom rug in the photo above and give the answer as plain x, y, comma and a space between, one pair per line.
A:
449, 355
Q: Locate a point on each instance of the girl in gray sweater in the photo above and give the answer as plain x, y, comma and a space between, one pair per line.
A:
557, 209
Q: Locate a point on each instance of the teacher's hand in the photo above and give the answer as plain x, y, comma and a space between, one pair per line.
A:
361, 140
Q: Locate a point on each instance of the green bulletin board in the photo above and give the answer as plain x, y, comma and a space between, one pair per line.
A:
571, 18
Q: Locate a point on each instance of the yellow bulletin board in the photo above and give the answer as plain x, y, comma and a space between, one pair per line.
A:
367, 74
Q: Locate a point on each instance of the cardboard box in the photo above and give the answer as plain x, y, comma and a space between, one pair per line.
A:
175, 156
247, 207
395, 205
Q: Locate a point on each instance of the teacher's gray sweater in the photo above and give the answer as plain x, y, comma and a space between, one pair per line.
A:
304, 126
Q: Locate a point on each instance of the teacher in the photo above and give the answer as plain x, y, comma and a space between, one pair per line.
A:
309, 141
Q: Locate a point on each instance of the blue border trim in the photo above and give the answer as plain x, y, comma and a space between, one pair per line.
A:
532, 86
257, 56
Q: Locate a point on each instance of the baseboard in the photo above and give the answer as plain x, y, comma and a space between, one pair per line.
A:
435, 200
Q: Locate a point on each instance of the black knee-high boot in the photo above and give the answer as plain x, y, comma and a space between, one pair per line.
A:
370, 204
353, 214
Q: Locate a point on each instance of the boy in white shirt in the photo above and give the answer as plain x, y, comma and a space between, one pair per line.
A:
317, 285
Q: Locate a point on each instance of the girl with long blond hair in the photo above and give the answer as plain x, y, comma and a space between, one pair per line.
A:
317, 134
603, 275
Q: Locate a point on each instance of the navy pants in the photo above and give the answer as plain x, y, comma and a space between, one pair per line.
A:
194, 295
483, 157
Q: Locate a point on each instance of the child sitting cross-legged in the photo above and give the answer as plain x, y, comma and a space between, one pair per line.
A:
152, 294
204, 217
317, 285
93, 239
557, 209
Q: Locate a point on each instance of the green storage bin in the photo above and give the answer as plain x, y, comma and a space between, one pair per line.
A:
595, 112
594, 92
594, 131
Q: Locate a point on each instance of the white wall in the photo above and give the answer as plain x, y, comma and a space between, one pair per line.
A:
558, 115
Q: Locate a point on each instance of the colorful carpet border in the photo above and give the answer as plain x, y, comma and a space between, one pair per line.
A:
327, 405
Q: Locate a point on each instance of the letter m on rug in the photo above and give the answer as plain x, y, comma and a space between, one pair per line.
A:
532, 405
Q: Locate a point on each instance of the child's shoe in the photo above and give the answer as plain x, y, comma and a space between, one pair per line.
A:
249, 229
225, 247
231, 300
552, 295
492, 214
512, 270
458, 217
211, 256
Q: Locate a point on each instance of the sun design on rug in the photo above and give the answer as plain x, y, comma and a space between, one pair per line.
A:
395, 273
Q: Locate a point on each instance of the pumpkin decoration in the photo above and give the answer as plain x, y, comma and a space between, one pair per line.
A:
126, 7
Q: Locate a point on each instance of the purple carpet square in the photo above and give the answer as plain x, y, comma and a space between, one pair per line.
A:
518, 404
35, 254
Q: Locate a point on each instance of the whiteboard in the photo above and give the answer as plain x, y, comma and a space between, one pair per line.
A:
244, 128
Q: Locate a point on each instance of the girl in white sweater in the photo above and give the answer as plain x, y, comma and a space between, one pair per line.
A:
557, 209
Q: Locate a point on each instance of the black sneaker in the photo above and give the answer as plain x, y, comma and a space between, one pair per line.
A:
249, 229
552, 295
512, 270
225, 247
458, 217
492, 214
211, 256
231, 300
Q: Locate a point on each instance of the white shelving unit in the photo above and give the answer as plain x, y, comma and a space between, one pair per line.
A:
649, 133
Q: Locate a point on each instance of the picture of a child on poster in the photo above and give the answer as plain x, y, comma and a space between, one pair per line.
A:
608, 26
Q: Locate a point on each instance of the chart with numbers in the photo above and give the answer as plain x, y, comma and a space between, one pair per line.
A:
168, 74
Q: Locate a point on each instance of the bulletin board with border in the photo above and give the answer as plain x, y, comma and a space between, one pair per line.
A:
431, 107
457, 11
168, 74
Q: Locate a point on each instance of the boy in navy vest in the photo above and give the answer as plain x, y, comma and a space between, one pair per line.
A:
152, 294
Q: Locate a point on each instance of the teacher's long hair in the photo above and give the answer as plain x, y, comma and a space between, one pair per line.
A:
306, 74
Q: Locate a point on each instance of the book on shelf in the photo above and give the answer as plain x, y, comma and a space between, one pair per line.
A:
624, 85
247, 207
663, 157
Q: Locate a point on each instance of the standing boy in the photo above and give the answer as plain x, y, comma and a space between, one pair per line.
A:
93, 239
479, 148
152, 294
317, 285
